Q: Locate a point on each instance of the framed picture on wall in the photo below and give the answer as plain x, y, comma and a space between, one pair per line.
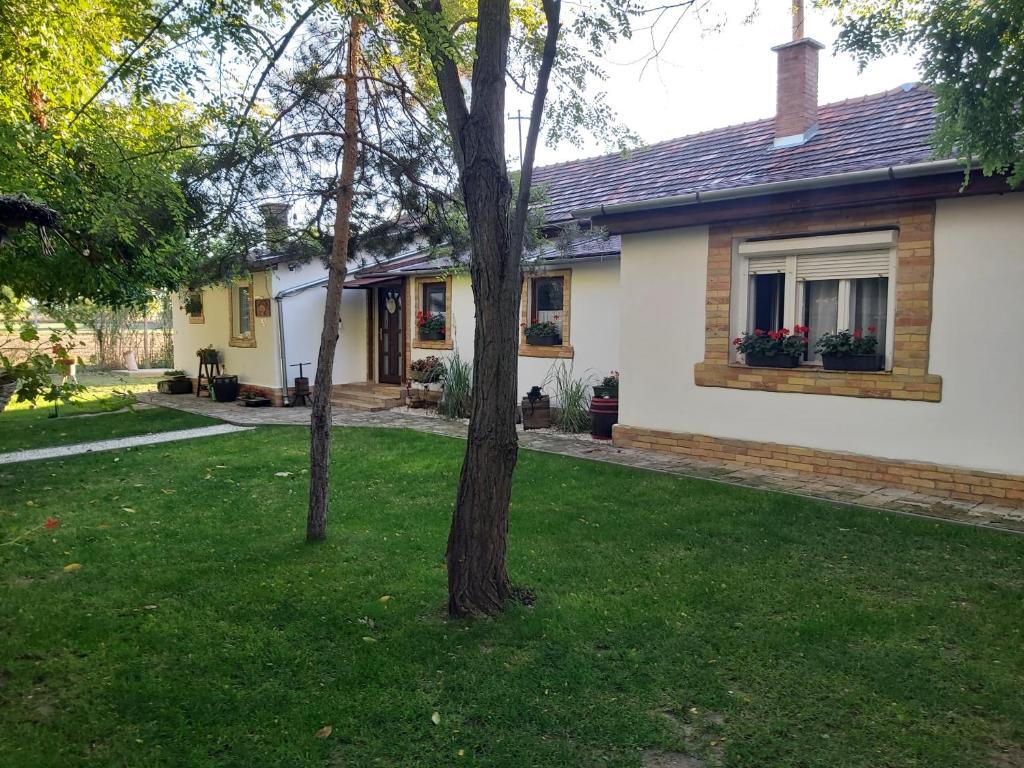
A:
262, 307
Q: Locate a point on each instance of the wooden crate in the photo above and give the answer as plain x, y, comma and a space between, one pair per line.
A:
537, 415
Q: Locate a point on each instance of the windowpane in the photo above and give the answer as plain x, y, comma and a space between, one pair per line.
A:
767, 301
434, 298
548, 291
546, 300
869, 307
821, 311
244, 317
195, 304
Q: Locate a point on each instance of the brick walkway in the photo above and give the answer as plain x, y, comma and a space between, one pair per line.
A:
584, 447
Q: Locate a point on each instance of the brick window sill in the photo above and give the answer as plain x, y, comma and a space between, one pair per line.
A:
438, 344
897, 384
537, 350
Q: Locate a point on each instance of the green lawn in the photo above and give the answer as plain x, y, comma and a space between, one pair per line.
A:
748, 628
22, 426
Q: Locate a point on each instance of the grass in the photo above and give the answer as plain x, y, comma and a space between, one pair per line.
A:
745, 627
23, 427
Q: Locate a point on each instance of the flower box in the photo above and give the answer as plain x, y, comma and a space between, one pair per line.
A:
175, 386
755, 360
254, 401
851, 362
544, 341
427, 334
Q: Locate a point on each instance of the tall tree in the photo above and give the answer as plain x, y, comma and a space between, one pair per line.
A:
320, 426
498, 212
110, 171
478, 579
972, 54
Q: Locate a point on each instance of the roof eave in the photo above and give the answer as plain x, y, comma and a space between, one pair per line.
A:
933, 167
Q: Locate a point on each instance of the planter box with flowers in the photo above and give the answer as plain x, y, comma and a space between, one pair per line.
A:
430, 326
772, 349
426, 370
850, 350
543, 334
176, 383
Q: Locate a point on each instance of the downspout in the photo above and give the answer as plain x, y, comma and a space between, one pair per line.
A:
279, 298
284, 355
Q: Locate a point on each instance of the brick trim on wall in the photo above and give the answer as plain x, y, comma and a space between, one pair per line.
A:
447, 342
565, 350
931, 479
909, 378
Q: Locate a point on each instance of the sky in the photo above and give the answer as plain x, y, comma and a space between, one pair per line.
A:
705, 80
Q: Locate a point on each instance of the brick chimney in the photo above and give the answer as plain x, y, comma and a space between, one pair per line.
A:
275, 222
796, 112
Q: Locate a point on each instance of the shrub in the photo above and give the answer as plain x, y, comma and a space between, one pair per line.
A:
457, 376
573, 394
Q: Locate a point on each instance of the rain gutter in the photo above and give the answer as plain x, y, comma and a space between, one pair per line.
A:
891, 172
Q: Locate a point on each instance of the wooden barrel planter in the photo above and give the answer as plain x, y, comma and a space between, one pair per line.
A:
604, 414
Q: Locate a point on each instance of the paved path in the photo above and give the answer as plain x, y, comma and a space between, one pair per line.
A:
871, 495
62, 451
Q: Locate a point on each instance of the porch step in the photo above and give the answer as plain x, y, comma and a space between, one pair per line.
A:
368, 396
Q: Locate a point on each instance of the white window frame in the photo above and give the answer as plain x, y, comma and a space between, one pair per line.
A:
790, 249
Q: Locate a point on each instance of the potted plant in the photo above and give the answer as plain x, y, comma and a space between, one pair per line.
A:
208, 355
773, 349
850, 350
431, 326
176, 383
609, 386
604, 407
545, 333
426, 370
254, 400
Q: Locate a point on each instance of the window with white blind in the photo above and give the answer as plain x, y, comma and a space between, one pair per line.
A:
826, 282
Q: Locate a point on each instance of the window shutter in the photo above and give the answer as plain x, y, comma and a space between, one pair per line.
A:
842, 266
767, 265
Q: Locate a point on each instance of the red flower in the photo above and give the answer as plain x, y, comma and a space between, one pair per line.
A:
737, 341
857, 334
758, 332
872, 328
51, 523
784, 331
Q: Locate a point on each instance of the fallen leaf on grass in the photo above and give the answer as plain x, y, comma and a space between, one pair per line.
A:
436, 718
128, 509
283, 474
324, 732
72, 567
384, 598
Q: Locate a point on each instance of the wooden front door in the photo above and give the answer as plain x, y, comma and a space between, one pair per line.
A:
390, 335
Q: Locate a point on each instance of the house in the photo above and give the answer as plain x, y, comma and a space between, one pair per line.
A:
265, 323
828, 216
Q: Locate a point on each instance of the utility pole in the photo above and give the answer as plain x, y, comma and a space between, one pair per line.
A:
519, 119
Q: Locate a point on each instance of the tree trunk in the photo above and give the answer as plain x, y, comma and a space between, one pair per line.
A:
477, 575
320, 420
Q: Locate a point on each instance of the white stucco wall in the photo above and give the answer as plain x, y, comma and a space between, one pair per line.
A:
977, 304
594, 325
252, 365
303, 319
